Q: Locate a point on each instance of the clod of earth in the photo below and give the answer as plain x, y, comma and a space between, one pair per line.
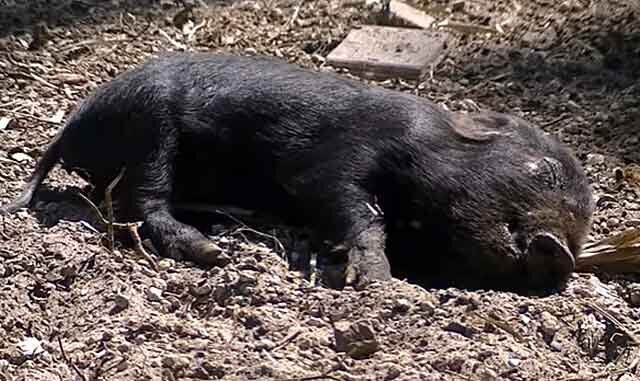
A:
357, 339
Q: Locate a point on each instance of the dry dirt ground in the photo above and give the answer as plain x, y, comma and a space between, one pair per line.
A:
71, 310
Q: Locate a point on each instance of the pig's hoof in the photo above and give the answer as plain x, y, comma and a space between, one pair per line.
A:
359, 275
208, 253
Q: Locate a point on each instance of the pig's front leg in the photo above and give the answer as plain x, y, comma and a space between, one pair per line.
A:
344, 220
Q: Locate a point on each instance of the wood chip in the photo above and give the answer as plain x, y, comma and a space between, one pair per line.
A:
71, 78
410, 15
58, 117
616, 253
5, 122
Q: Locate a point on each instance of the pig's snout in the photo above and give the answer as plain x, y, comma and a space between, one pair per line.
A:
548, 260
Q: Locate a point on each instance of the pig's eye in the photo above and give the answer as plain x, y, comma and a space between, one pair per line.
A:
547, 170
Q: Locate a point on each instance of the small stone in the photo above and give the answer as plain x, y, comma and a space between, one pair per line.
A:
159, 283
401, 306
247, 278
571, 6
595, 159
123, 348
393, 372
460, 328
634, 294
590, 334
21, 157
174, 362
357, 339
168, 362
458, 6
632, 223
166, 264
618, 173
264, 344
305, 342
216, 371
203, 290
513, 362
556, 345
154, 294
605, 198
426, 307
30, 346
174, 286
487, 374
548, 326
4, 122
121, 301
122, 366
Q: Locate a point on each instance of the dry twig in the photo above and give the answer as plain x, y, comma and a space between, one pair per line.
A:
609, 316
246, 228
137, 242
287, 339
109, 201
69, 362
131, 227
503, 325
173, 42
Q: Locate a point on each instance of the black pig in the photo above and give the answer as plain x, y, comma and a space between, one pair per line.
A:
486, 192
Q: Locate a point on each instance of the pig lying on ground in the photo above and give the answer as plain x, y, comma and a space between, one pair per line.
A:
485, 194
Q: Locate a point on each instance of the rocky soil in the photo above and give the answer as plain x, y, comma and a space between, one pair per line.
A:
72, 310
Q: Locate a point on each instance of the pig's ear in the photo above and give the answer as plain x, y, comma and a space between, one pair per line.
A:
479, 127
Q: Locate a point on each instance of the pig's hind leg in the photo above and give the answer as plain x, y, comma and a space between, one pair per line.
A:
150, 184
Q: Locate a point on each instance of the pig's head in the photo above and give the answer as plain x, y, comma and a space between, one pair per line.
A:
507, 205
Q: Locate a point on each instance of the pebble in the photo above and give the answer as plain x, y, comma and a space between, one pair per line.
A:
460, 328
357, 339
203, 290
513, 362
402, 306
618, 173
634, 294
121, 301
487, 374
393, 372
458, 6
264, 344
21, 157
426, 307
556, 346
154, 294
174, 362
632, 223
548, 326
166, 264
123, 348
